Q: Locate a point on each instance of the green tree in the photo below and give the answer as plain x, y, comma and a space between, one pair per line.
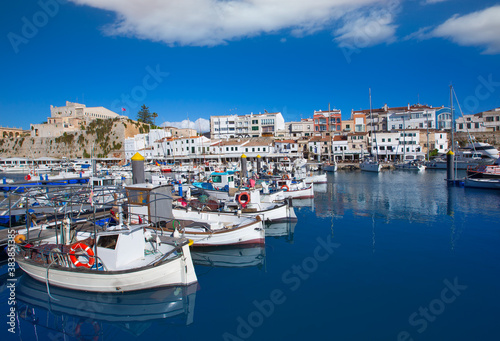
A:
154, 115
144, 115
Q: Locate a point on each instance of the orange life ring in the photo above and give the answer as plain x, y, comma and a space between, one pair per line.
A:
269, 173
244, 203
87, 250
96, 326
285, 186
286, 177
27, 177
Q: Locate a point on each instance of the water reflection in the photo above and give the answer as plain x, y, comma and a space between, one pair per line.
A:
283, 230
87, 315
414, 197
230, 256
303, 203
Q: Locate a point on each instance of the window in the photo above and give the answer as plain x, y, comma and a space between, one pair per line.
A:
255, 122
255, 128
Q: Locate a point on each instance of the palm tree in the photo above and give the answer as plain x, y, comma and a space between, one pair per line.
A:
154, 115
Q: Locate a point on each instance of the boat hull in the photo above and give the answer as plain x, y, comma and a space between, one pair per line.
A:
482, 183
370, 167
304, 193
169, 273
249, 233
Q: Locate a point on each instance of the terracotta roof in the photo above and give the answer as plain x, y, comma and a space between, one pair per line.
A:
315, 139
257, 143
286, 141
230, 143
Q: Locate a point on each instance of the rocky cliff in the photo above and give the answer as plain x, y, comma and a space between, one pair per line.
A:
107, 137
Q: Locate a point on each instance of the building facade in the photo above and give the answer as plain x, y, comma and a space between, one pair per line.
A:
327, 123
252, 125
70, 118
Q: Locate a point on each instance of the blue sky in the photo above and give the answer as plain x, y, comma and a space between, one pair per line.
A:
196, 58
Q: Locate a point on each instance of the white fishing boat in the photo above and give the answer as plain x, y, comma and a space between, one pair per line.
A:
370, 165
218, 185
152, 203
294, 189
309, 177
487, 183
123, 259
410, 165
248, 203
216, 229
329, 167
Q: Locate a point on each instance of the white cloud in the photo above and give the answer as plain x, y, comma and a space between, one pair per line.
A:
480, 28
200, 124
430, 2
213, 22
367, 29
422, 34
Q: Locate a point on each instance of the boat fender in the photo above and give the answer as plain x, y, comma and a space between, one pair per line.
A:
20, 239
84, 248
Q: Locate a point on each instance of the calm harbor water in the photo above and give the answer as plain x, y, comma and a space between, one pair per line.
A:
389, 256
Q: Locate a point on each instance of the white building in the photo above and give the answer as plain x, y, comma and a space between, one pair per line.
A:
136, 144
410, 117
396, 145
301, 129
471, 124
286, 147
491, 119
253, 125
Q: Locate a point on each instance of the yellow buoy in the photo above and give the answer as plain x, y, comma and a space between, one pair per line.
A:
20, 238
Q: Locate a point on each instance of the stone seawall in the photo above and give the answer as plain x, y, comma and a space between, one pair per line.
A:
107, 137
492, 138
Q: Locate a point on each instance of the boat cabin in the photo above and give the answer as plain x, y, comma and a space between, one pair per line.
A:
222, 179
117, 248
149, 203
